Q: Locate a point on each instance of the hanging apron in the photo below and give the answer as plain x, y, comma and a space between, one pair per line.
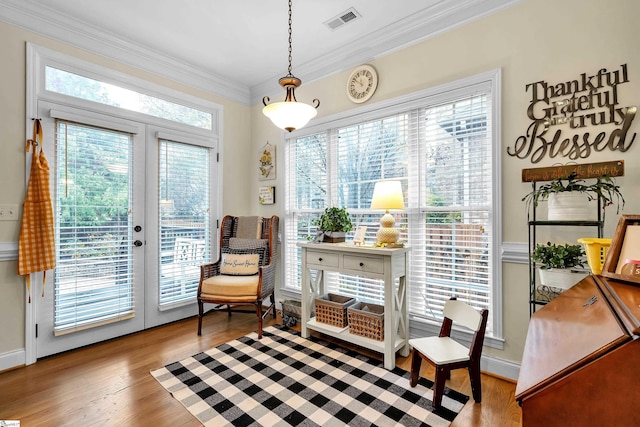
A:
36, 246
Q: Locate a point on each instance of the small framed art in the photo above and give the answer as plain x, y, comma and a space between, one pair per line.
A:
623, 256
267, 195
358, 238
267, 162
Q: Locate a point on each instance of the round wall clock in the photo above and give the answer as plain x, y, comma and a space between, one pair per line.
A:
362, 83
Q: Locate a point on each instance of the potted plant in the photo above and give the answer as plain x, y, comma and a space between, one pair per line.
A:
567, 196
334, 223
555, 263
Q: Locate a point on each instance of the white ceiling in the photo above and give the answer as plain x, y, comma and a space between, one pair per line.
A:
238, 48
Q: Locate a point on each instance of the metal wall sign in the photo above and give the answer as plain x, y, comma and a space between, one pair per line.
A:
576, 118
583, 171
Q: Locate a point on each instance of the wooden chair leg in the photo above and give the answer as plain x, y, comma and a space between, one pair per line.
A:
200, 314
416, 361
476, 384
438, 387
259, 313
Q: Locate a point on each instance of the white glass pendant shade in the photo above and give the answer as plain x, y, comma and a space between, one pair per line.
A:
289, 115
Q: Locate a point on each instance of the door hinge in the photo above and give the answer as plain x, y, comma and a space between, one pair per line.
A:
36, 330
217, 223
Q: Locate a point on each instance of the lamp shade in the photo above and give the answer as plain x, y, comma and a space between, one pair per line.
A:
387, 195
289, 115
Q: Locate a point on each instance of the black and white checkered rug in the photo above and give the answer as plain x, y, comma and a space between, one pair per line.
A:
284, 379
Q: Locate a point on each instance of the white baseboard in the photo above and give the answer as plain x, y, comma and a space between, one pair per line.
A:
12, 359
500, 367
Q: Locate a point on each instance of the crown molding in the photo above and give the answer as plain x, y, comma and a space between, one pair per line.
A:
441, 17
46, 21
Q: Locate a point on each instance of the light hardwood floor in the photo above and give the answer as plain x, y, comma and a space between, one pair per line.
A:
108, 384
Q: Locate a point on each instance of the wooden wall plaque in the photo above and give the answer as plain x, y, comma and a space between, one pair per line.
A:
584, 171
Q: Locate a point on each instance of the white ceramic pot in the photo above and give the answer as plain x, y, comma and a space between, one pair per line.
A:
571, 206
560, 278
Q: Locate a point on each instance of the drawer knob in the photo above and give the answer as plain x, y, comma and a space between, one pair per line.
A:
319, 259
362, 264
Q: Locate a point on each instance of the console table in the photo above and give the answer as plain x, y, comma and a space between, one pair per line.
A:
378, 263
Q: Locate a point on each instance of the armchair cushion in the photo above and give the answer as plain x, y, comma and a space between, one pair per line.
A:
231, 288
239, 262
262, 245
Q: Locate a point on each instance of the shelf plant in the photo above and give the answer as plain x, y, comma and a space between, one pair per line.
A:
604, 188
555, 263
560, 256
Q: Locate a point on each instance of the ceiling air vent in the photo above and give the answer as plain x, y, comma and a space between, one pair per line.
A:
348, 15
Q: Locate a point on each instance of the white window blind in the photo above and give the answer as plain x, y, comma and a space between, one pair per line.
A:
93, 277
440, 149
184, 181
451, 231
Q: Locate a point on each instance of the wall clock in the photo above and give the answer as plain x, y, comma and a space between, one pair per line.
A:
362, 83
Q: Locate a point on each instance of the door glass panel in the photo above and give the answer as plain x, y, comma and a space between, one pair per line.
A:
93, 281
184, 188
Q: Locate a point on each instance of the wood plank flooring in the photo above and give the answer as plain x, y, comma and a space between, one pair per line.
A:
108, 384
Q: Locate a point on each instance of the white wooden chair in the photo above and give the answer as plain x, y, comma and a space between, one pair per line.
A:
445, 354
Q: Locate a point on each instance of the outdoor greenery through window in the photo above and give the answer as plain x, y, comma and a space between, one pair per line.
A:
441, 151
184, 219
93, 277
66, 83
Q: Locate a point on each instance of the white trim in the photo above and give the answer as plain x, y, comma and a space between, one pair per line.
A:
8, 251
12, 359
406, 102
93, 121
500, 367
46, 21
515, 252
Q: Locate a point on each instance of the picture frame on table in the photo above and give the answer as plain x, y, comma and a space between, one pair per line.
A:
359, 236
624, 249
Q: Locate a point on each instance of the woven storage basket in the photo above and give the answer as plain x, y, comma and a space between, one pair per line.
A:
367, 320
332, 309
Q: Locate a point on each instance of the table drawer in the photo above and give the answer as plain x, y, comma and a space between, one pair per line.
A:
322, 259
374, 264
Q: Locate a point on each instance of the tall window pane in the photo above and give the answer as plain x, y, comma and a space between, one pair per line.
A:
184, 219
93, 278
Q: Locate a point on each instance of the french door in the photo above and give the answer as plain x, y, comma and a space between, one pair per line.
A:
133, 211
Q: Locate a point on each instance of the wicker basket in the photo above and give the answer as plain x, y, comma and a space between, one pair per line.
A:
332, 309
367, 320
291, 312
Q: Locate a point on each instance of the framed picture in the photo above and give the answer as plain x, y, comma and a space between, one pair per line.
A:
267, 162
358, 238
624, 249
267, 195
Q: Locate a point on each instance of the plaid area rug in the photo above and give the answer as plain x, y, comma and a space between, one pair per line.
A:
284, 379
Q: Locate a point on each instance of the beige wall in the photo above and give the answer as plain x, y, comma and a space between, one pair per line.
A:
236, 152
535, 40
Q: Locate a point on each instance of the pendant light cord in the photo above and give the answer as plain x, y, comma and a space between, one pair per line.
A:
290, 39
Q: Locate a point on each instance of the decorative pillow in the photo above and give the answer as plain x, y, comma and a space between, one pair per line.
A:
261, 245
239, 264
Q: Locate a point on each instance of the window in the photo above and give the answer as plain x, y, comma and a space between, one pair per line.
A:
66, 83
184, 219
93, 277
440, 145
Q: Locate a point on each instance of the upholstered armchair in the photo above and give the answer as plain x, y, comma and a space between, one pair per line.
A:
244, 273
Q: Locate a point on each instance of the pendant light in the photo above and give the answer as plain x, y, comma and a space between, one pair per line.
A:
289, 114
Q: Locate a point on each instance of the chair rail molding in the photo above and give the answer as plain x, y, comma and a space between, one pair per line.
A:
515, 252
8, 251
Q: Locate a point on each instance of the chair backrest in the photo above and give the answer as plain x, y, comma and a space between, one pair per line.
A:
269, 232
463, 314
